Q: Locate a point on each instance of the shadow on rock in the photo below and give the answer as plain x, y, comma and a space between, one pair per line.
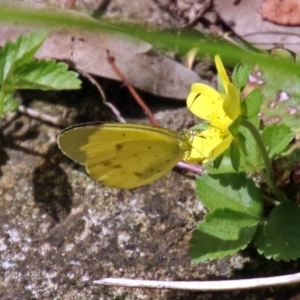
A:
52, 191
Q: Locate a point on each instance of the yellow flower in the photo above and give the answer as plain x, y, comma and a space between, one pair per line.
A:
220, 110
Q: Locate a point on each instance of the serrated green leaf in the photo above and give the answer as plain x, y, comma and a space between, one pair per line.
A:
234, 191
10, 103
235, 154
43, 75
223, 232
240, 75
279, 237
276, 138
251, 105
19, 52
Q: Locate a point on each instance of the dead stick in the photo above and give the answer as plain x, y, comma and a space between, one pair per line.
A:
138, 99
217, 285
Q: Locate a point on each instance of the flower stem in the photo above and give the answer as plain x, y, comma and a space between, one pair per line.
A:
268, 175
261, 146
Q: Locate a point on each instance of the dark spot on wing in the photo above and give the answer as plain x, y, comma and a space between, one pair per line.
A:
117, 166
106, 163
138, 174
119, 147
155, 170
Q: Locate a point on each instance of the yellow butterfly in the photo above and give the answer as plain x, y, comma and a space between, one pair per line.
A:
125, 156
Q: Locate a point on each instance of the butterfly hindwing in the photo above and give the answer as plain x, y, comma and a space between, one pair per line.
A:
124, 155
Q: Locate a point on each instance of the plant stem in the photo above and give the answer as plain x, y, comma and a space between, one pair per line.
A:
280, 196
261, 146
270, 200
268, 175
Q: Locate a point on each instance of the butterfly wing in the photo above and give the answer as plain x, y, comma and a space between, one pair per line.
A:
124, 155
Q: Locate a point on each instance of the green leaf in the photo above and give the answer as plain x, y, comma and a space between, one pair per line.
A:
235, 154
238, 143
282, 54
234, 127
19, 52
282, 95
240, 75
242, 142
251, 105
217, 161
43, 75
237, 208
222, 164
10, 103
279, 237
276, 138
252, 160
223, 232
234, 191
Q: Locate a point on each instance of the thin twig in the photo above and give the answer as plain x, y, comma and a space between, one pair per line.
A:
105, 102
58, 121
222, 285
138, 99
190, 167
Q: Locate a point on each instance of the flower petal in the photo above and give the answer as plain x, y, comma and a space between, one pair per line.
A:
204, 101
220, 110
220, 120
222, 72
232, 102
208, 144
222, 147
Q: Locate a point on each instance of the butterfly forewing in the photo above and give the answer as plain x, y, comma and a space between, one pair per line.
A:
124, 155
